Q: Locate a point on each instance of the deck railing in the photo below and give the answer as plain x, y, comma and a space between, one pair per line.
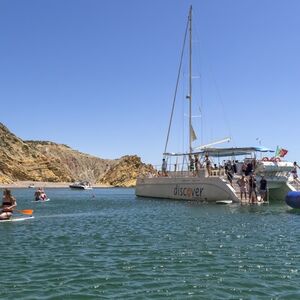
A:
183, 171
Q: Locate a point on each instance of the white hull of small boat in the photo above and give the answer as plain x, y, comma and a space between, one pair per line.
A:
80, 187
224, 202
17, 219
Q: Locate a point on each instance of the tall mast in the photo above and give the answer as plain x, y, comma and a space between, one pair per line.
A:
190, 82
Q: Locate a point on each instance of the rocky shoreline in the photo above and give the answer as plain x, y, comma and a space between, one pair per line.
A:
44, 184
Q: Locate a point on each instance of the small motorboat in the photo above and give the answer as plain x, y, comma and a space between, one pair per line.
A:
81, 185
224, 202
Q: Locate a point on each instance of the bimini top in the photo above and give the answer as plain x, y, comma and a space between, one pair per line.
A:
222, 152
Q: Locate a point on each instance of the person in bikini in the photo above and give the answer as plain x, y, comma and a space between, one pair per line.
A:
8, 204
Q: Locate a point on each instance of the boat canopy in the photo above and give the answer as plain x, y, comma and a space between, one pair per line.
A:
223, 152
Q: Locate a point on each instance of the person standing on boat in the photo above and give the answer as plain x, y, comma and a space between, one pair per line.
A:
164, 167
249, 169
242, 182
192, 163
244, 168
234, 167
294, 170
207, 163
197, 163
8, 204
263, 188
229, 171
252, 189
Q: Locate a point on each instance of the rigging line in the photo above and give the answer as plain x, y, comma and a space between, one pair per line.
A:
198, 62
177, 82
182, 112
227, 122
222, 103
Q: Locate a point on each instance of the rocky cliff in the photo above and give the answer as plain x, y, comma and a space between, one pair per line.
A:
48, 161
79, 166
126, 171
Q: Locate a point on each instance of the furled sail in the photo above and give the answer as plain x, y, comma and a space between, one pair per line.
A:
193, 134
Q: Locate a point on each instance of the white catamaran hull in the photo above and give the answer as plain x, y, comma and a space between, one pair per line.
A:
209, 189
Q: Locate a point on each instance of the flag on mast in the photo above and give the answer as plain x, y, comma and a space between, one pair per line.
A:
280, 152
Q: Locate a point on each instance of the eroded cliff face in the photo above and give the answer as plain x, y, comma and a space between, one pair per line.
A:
126, 171
79, 165
48, 161
19, 161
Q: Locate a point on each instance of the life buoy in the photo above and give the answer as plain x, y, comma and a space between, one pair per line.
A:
275, 159
265, 159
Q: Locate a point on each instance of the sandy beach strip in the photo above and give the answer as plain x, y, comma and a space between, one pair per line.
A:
43, 184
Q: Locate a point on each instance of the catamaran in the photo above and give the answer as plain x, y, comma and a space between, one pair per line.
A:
208, 182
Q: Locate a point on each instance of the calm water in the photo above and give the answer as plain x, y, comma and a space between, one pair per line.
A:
114, 246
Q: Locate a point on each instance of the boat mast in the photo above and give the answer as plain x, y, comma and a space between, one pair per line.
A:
190, 81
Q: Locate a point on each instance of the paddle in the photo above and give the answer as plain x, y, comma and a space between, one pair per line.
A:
25, 211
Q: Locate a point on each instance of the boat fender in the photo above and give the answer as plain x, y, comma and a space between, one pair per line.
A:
292, 199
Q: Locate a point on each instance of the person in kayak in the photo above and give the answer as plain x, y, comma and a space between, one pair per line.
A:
8, 204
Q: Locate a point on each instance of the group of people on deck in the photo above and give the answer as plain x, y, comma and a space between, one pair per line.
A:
194, 165
248, 186
247, 182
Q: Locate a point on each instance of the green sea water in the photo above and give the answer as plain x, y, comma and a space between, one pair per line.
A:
108, 244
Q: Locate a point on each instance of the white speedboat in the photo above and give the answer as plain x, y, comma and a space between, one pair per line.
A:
185, 181
81, 185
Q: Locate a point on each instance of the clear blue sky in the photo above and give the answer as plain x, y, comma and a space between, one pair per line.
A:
100, 75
